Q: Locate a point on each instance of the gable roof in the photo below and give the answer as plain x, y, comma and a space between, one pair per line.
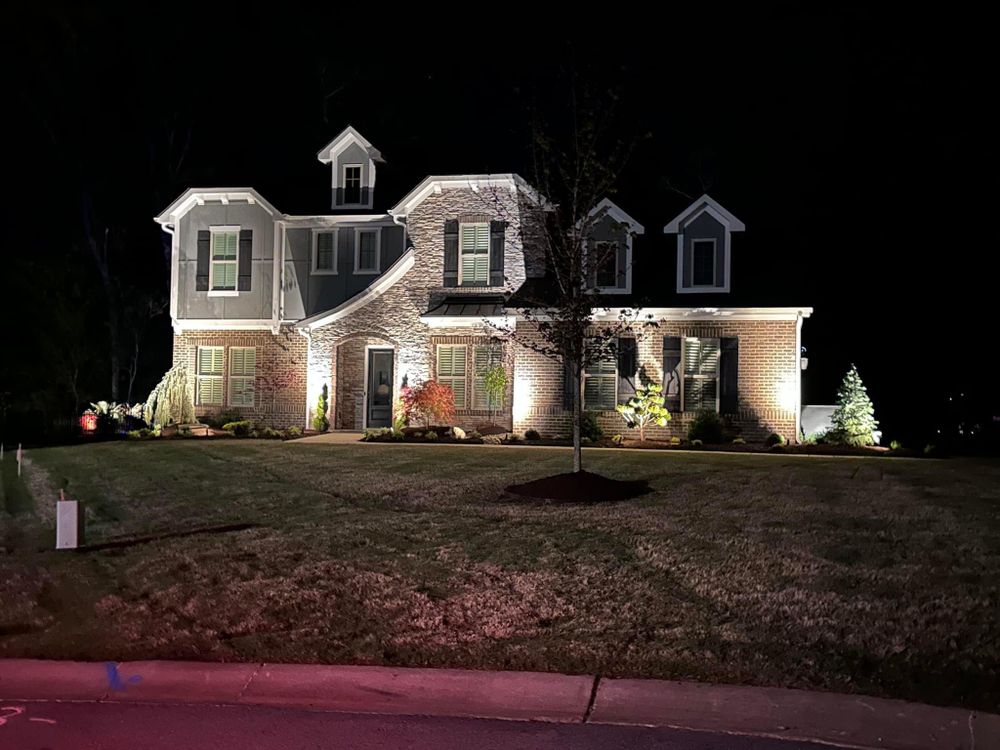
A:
197, 196
437, 183
705, 203
608, 207
348, 135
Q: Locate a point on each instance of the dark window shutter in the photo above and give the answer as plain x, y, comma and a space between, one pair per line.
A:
622, 263
672, 373
567, 385
720, 262
627, 366
496, 252
246, 260
338, 197
204, 258
729, 394
451, 252
364, 196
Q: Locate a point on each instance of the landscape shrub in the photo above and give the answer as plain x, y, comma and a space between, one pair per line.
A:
218, 421
492, 439
320, 421
514, 439
645, 408
696, 443
239, 428
706, 426
293, 432
429, 402
268, 433
589, 428
618, 440
739, 441
774, 439
675, 440
853, 420
895, 445
377, 433
532, 434
140, 434
473, 435
430, 435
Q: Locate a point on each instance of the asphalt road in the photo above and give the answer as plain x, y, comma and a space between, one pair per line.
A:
121, 726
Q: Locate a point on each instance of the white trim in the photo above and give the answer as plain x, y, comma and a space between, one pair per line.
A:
469, 321
798, 376
364, 396
715, 246
175, 265
357, 252
346, 136
198, 196
703, 313
318, 221
316, 232
276, 273
434, 184
703, 204
608, 206
208, 324
393, 274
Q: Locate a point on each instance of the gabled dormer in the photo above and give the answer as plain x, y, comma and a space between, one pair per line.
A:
352, 166
704, 230
609, 248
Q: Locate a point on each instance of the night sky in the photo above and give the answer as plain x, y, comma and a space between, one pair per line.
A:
857, 148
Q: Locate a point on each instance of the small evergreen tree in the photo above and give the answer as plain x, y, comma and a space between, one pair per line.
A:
854, 420
320, 422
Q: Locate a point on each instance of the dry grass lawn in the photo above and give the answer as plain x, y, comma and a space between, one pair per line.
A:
867, 575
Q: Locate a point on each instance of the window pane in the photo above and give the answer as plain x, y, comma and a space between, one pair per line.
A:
606, 260
224, 245
367, 258
703, 257
486, 358
475, 238
599, 392
209, 360
701, 356
699, 393
352, 184
324, 251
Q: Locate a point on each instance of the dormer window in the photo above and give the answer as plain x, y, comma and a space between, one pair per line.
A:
704, 239
703, 262
608, 264
606, 260
352, 184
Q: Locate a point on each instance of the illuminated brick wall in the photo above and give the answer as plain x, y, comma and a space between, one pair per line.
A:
767, 377
280, 387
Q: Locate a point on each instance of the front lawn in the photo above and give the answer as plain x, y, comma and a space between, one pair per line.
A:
848, 574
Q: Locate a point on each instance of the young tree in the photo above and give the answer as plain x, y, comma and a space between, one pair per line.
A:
571, 174
854, 420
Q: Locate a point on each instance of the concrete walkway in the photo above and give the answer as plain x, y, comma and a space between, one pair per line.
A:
334, 437
842, 720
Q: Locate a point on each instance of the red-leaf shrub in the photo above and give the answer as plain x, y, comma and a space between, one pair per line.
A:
429, 402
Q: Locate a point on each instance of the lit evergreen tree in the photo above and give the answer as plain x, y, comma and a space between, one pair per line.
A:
854, 420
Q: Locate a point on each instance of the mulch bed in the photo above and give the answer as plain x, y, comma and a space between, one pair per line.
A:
579, 487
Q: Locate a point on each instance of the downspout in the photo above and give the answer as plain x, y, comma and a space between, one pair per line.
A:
798, 375
172, 231
307, 333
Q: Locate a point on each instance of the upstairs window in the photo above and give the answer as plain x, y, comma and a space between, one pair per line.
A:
325, 253
352, 183
366, 256
605, 258
701, 374
208, 388
600, 385
224, 268
451, 370
474, 252
242, 374
703, 262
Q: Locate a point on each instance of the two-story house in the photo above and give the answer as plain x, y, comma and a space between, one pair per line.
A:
269, 308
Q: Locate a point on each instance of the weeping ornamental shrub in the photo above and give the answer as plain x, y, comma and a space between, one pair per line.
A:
170, 402
645, 408
854, 420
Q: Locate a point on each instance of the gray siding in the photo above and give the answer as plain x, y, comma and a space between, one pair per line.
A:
307, 293
248, 305
705, 227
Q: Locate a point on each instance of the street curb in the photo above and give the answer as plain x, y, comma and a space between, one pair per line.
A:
844, 720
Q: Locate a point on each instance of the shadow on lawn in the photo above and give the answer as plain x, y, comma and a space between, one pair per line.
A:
132, 541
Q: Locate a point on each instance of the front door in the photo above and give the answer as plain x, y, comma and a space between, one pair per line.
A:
379, 388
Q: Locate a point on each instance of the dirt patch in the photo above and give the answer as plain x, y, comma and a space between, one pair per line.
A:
579, 487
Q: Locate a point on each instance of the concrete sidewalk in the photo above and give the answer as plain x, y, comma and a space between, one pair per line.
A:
844, 720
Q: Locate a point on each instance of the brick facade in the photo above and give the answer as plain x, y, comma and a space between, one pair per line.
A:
280, 383
767, 376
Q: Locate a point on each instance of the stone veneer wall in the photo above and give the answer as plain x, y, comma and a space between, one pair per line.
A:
280, 388
393, 318
767, 377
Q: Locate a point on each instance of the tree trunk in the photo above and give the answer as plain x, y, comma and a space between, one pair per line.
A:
577, 413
